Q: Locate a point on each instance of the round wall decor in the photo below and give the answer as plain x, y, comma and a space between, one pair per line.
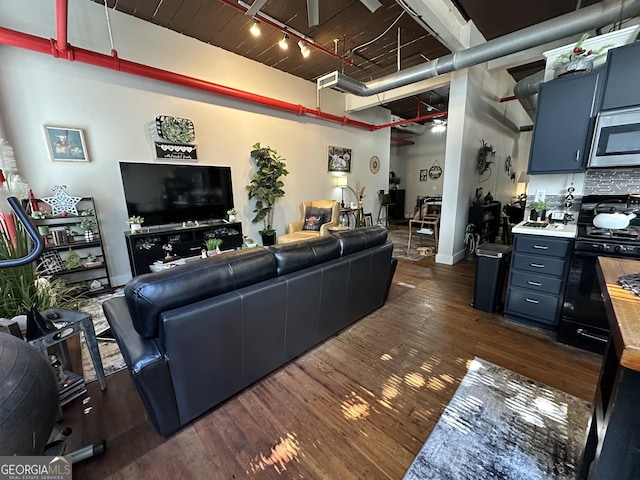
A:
173, 129
435, 171
374, 164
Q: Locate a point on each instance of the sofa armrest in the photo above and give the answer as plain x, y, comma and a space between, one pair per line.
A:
295, 226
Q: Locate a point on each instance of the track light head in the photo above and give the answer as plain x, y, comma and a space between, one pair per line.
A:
304, 50
284, 44
255, 28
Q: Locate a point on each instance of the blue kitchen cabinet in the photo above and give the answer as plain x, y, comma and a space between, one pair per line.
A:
622, 78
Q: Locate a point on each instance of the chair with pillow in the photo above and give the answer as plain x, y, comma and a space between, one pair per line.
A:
317, 217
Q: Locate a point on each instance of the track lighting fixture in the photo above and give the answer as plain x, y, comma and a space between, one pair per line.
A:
438, 126
304, 50
255, 28
283, 43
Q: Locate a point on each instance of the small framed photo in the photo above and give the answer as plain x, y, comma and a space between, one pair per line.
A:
339, 159
368, 220
424, 175
66, 144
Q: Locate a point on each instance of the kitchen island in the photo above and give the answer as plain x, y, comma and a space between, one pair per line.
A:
612, 450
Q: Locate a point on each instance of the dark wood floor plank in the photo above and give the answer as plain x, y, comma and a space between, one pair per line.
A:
358, 406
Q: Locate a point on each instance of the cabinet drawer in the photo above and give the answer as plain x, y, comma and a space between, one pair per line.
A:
553, 247
542, 307
539, 283
538, 264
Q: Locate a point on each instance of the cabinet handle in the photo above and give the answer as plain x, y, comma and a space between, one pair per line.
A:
540, 247
195, 248
592, 336
578, 155
536, 265
535, 284
530, 300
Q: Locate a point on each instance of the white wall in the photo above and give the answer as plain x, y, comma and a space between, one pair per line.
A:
115, 110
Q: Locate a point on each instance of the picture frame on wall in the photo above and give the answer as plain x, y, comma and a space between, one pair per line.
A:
424, 175
339, 159
66, 144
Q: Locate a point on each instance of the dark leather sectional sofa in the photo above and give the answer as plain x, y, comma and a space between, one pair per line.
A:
193, 336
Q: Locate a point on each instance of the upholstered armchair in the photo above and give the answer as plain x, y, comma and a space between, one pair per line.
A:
317, 217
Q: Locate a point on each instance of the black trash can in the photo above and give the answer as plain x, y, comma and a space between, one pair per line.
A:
491, 271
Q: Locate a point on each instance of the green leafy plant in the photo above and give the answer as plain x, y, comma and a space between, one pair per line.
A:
88, 224
539, 205
232, 211
266, 185
135, 219
213, 243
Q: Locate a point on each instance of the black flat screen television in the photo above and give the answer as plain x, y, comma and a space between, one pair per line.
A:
164, 194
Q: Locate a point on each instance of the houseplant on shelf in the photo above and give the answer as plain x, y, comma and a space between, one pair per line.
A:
538, 211
266, 187
232, 212
213, 246
578, 59
135, 222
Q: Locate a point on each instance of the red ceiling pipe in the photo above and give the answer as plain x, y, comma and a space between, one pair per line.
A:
414, 119
404, 141
289, 32
62, 9
42, 45
508, 99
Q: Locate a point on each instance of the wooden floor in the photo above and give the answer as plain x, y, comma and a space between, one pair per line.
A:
359, 406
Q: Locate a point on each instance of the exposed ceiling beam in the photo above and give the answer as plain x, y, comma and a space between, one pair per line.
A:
441, 19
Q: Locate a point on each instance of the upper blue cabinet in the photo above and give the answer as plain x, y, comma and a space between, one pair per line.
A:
622, 78
565, 114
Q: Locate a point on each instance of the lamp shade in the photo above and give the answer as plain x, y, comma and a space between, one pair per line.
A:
342, 181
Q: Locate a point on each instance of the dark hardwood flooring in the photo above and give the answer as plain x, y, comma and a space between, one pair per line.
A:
358, 406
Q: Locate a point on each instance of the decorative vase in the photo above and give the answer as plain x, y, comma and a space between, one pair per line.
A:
135, 227
88, 236
577, 65
232, 218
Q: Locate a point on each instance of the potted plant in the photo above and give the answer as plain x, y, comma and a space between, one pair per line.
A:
232, 212
88, 225
213, 246
538, 210
135, 223
249, 243
578, 59
471, 240
266, 187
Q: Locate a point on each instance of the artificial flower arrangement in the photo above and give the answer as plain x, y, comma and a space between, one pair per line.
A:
580, 53
135, 220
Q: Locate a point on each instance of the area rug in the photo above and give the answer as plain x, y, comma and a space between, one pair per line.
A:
501, 425
400, 239
112, 360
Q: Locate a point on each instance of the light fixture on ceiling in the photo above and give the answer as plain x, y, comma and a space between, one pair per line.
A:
304, 50
284, 44
255, 28
438, 126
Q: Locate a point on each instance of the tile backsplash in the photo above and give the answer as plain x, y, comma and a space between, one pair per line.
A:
612, 181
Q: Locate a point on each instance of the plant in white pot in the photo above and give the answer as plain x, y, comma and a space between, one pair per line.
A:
213, 246
266, 187
231, 213
135, 223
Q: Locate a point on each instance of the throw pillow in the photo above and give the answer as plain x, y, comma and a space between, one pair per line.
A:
315, 217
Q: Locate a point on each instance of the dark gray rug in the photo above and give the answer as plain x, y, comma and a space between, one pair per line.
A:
112, 360
400, 239
501, 425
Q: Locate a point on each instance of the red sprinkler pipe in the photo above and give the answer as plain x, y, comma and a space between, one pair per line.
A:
42, 45
414, 119
404, 141
62, 9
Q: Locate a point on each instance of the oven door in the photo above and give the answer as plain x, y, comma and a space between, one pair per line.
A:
583, 322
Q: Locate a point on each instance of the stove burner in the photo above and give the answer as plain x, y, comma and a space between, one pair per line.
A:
629, 233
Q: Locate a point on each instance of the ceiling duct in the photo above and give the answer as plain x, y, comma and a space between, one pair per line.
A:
410, 127
578, 21
526, 91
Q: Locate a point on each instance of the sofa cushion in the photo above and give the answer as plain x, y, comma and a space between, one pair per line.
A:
291, 257
150, 294
361, 238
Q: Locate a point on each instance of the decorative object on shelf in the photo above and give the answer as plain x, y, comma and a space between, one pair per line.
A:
538, 210
435, 171
232, 214
471, 241
88, 225
486, 153
568, 199
51, 262
62, 203
73, 260
339, 159
578, 59
249, 243
488, 198
95, 285
135, 223
374, 164
424, 175
66, 144
266, 187
477, 199
180, 132
394, 181
168, 249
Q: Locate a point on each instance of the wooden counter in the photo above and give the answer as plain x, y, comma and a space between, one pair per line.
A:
623, 309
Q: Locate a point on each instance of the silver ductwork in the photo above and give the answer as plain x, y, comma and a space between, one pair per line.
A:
526, 91
579, 21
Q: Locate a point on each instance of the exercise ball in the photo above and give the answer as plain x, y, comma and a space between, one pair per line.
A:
28, 398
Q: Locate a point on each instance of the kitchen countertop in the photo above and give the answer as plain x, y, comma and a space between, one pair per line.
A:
552, 230
623, 308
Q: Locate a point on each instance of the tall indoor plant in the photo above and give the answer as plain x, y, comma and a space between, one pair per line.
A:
266, 187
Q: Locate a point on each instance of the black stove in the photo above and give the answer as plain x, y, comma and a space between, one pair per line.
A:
583, 322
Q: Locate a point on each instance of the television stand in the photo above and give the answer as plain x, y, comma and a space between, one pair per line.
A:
146, 247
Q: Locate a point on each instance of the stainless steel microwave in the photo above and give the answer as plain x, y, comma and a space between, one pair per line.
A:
616, 139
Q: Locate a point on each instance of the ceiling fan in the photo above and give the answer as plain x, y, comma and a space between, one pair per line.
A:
313, 12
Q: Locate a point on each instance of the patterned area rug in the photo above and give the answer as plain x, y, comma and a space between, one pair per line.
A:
501, 425
400, 239
112, 360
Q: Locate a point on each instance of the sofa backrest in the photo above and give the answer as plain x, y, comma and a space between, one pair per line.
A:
360, 239
291, 257
150, 294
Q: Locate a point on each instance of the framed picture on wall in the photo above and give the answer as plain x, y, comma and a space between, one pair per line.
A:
424, 175
66, 144
339, 159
